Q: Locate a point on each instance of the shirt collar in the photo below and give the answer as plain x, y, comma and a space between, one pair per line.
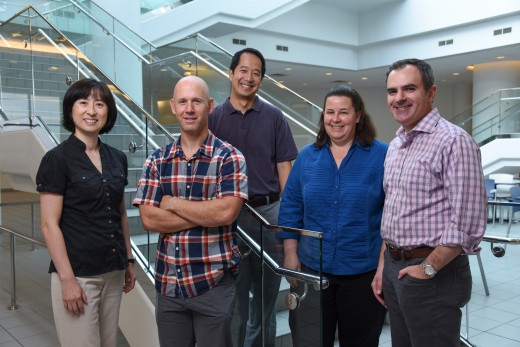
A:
426, 125
355, 143
206, 148
229, 108
78, 144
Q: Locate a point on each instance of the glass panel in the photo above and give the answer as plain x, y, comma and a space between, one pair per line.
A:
160, 6
264, 301
37, 64
497, 114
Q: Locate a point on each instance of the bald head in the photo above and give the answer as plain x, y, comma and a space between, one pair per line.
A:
191, 105
192, 82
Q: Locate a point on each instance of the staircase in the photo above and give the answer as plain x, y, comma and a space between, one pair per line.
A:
39, 59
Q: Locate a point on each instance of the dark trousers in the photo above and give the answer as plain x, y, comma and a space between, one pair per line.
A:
203, 319
426, 312
348, 304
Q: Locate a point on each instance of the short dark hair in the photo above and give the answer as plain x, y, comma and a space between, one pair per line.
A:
424, 68
236, 58
365, 130
82, 89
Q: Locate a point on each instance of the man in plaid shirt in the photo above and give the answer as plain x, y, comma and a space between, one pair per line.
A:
191, 192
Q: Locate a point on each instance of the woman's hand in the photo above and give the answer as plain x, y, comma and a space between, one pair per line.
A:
129, 278
73, 296
292, 262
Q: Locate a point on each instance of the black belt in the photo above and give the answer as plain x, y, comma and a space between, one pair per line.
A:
407, 254
263, 200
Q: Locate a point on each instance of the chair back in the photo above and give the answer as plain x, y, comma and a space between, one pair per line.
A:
490, 188
515, 197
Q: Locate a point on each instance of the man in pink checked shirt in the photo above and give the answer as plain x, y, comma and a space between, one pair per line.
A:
434, 214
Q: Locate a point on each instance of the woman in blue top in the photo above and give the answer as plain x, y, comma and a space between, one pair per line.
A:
336, 187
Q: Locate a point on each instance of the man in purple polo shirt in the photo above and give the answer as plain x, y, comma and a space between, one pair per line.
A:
260, 131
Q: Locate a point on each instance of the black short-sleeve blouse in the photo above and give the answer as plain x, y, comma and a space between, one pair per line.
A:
91, 215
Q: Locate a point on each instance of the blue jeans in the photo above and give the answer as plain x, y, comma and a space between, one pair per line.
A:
426, 312
255, 313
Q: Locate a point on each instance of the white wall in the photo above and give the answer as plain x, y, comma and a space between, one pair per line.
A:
450, 100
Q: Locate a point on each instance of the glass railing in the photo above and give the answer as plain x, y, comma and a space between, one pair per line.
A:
37, 65
160, 6
498, 114
261, 244
107, 41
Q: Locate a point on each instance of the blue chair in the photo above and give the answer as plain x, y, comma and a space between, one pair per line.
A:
490, 188
491, 195
515, 197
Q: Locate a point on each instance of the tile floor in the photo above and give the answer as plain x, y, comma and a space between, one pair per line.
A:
494, 320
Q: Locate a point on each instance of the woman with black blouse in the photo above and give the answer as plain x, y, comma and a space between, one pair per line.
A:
84, 222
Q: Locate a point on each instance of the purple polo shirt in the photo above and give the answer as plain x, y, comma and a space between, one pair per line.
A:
263, 136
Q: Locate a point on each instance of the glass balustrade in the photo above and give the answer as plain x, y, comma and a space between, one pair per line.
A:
498, 114
37, 65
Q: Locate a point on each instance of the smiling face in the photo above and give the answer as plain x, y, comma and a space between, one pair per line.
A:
340, 119
89, 115
191, 105
407, 100
246, 78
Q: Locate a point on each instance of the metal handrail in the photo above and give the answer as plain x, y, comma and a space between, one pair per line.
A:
318, 282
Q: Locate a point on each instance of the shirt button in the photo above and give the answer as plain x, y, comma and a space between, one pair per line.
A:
104, 180
176, 248
113, 250
107, 194
188, 186
178, 270
109, 221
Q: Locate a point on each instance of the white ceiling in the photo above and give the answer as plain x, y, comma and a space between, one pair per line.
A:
303, 77
355, 5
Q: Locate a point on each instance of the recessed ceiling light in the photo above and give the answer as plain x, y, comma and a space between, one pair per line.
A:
328, 73
304, 83
53, 68
364, 78
164, 69
500, 57
281, 81
455, 74
470, 68
288, 69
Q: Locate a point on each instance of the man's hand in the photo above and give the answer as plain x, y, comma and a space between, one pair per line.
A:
167, 203
415, 271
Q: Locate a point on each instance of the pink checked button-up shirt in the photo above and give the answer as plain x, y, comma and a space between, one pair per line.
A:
434, 186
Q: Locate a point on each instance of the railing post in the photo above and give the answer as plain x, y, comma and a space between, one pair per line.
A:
13, 306
33, 233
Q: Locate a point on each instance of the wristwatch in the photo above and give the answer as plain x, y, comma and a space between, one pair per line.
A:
428, 269
131, 260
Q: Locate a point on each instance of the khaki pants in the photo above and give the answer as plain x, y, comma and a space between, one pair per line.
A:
98, 325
